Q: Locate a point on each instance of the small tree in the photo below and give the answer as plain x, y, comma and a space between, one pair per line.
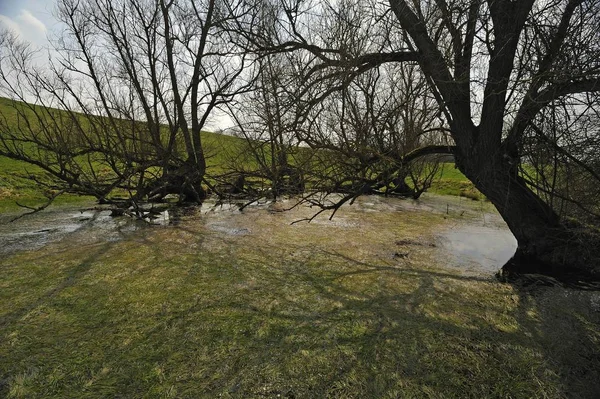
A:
136, 81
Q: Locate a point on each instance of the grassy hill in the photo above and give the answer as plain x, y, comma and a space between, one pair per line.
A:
451, 181
17, 178
17, 185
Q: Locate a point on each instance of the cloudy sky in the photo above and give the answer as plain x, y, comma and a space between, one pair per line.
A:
32, 20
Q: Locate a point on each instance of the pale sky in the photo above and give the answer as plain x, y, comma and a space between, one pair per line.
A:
31, 20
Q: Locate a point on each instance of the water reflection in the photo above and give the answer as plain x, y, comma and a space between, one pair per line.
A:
473, 238
478, 248
35, 231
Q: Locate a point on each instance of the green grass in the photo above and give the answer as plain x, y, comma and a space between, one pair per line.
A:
304, 311
16, 186
450, 181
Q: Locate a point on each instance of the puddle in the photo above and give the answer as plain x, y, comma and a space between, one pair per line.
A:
478, 248
36, 231
162, 218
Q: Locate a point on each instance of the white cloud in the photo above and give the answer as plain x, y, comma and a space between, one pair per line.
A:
27, 27
27, 18
9, 24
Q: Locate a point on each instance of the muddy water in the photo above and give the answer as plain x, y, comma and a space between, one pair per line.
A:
80, 224
478, 248
477, 240
467, 235
460, 234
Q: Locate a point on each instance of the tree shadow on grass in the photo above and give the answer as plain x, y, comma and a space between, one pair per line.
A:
565, 321
71, 278
363, 330
14, 319
298, 321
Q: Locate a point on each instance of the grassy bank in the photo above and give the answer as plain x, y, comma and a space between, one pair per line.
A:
17, 185
18, 179
249, 306
450, 181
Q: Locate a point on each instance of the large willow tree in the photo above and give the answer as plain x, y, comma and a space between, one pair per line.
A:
516, 84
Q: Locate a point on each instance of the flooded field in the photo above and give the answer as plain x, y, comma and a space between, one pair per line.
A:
462, 234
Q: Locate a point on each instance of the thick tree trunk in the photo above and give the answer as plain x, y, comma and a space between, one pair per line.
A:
545, 245
184, 180
402, 188
191, 177
400, 185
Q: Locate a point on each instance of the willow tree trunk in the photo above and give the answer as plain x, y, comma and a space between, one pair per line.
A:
193, 172
545, 245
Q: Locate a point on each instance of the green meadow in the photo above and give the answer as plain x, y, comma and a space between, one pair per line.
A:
248, 305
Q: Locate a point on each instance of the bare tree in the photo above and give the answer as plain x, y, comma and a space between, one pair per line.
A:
361, 129
495, 67
516, 85
370, 130
535, 54
137, 81
270, 156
